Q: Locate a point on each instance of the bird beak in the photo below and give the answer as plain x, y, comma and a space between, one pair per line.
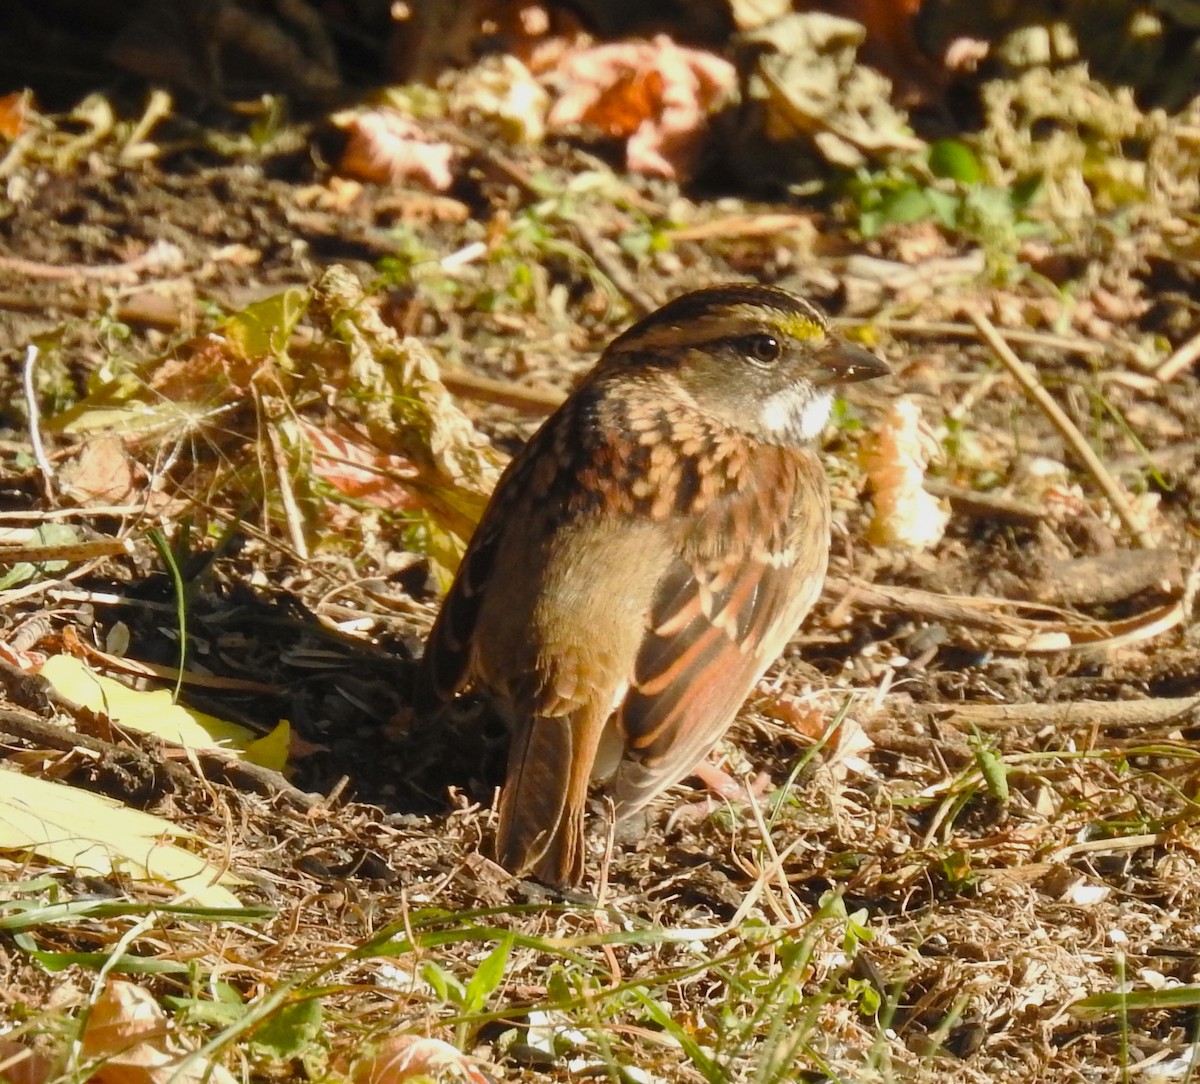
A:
841, 362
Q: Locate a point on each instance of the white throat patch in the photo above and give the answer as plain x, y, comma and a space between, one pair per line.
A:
788, 417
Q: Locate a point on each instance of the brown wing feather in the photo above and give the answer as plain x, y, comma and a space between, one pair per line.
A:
721, 615
534, 472
446, 664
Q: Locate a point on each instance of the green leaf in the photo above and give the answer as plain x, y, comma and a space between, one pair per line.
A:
487, 976
945, 206
445, 986
956, 161
1172, 998
223, 1008
1025, 191
168, 557
95, 961
906, 204
263, 328
47, 534
291, 1030
994, 773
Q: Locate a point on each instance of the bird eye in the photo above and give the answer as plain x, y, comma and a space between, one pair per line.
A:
764, 349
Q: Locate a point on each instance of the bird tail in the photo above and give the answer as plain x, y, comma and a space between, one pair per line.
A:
544, 799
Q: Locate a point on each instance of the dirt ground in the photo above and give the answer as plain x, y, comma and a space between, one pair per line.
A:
1007, 812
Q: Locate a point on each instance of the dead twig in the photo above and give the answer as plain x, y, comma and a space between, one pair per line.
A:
1178, 361
158, 257
969, 502
1006, 631
1100, 713
70, 551
145, 764
1108, 577
1033, 388
530, 400
1069, 344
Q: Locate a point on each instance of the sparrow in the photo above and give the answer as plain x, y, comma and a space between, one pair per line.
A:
644, 558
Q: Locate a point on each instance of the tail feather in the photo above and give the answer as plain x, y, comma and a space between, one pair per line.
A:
544, 798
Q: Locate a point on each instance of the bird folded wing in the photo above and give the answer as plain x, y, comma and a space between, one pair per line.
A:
700, 658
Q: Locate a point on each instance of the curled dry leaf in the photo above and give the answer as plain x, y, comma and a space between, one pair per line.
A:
127, 1033
503, 89
811, 87
905, 514
19, 1064
414, 1057
409, 414
655, 94
386, 146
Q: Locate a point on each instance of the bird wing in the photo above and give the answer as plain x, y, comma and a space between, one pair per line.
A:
540, 477
446, 664
749, 570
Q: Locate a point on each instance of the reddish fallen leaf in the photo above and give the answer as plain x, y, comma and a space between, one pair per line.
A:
22, 660
802, 713
345, 459
655, 94
14, 111
413, 1057
21, 1065
389, 148
102, 473
208, 369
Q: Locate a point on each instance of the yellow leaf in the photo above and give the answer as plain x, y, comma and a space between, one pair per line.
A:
271, 750
148, 711
95, 836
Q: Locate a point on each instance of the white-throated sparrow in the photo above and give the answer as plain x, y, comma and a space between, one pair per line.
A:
645, 557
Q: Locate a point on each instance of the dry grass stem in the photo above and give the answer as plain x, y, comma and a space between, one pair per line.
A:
1033, 388
1178, 361
934, 328
1158, 711
528, 400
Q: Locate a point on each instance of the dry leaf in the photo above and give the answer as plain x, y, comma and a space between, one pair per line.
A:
96, 836
149, 711
905, 514
21, 1065
123, 1016
752, 14
413, 1057
128, 1034
655, 94
102, 473
503, 89
812, 89
387, 147
409, 413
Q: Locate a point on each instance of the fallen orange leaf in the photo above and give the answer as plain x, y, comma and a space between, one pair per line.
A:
655, 94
